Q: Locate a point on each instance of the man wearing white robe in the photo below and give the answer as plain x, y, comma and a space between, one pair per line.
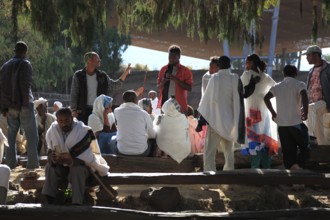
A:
223, 109
72, 154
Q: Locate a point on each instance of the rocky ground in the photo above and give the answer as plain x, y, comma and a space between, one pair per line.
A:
213, 198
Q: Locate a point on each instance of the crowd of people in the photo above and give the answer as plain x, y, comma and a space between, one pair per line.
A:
250, 110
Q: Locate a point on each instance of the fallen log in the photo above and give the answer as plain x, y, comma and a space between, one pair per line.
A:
52, 212
120, 163
240, 177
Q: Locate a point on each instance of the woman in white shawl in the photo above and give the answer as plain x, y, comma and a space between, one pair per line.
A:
171, 128
102, 122
261, 135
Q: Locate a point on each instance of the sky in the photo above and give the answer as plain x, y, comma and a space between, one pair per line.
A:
156, 59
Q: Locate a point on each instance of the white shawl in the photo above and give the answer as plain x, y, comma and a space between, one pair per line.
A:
96, 120
220, 105
90, 156
172, 134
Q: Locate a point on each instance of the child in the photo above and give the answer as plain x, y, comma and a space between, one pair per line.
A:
290, 95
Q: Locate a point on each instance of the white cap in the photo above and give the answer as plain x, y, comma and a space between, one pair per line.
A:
39, 101
58, 104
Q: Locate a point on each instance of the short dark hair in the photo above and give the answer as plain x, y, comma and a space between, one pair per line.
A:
290, 70
64, 112
174, 49
129, 96
215, 60
20, 47
224, 62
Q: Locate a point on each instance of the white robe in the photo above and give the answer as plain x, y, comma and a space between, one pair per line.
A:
220, 104
265, 130
172, 134
90, 156
4, 169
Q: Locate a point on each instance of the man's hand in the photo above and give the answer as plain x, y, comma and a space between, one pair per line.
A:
274, 115
62, 158
304, 116
199, 128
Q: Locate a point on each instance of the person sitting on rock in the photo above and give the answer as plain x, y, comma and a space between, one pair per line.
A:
102, 122
197, 142
43, 120
73, 153
146, 105
134, 128
171, 128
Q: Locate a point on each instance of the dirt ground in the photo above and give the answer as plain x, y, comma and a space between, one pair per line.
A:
212, 198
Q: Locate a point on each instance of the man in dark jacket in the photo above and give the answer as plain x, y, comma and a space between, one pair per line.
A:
17, 105
90, 82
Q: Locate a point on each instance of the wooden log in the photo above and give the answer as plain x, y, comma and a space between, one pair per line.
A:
119, 163
240, 177
52, 212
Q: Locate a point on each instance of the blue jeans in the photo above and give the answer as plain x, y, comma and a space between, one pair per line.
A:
105, 142
24, 118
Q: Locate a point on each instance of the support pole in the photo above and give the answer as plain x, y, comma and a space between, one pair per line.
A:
273, 34
226, 48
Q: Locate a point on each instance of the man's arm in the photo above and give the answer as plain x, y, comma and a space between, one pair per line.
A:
127, 71
269, 105
304, 101
184, 85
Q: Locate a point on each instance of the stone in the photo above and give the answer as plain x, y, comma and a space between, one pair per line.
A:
165, 199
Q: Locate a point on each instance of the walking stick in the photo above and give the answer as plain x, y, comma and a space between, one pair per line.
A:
104, 186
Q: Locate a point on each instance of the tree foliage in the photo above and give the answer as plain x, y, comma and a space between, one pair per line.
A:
58, 34
224, 19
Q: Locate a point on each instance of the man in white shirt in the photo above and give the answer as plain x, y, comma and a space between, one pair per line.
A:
134, 128
291, 111
154, 102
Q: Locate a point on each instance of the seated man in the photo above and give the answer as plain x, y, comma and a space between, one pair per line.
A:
4, 171
134, 128
72, 154
43, 121
102, 122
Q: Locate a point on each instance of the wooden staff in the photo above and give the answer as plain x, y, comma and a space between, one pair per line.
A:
104, 186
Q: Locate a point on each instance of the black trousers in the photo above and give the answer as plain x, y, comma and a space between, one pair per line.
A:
84, 117
295, 144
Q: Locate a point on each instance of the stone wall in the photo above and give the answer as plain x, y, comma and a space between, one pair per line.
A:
136, 80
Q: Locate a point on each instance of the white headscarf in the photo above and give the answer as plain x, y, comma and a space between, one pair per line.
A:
172, 135
96, 120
